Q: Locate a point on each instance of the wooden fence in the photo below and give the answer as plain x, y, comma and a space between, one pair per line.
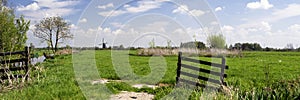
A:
219, 81
15, 64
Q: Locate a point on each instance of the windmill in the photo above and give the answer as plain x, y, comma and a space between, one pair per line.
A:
103, 43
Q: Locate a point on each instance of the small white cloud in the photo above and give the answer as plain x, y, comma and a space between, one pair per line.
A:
112, 13
115, 24
197, 12
117, 32
83, 20
57, 3
110, 5
262, 4
214, 23
183, 9
107, 30
218, 9
227, 28
179, 30
257, 27
73, 26
142, 6
126, 6
294, 28
34, 6
266, 26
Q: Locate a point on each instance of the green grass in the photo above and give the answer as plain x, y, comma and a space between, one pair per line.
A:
55, 82
251, 70
250, 74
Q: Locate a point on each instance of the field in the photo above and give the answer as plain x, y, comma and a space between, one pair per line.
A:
273, 75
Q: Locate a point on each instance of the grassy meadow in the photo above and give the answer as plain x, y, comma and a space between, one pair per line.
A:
256, 75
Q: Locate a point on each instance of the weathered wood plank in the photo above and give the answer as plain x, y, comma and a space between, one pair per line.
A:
12, 53
13, 69
13, 61
222, 71
204, 62
202, 70
200, 77
178, 67
14, 76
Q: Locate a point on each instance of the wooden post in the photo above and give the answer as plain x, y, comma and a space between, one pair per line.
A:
178, 67
27, 61
222, 71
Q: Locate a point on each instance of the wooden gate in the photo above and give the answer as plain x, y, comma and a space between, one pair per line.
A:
15, 65
180, 72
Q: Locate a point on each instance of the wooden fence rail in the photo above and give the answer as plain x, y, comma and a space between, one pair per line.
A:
221, 74
15, 65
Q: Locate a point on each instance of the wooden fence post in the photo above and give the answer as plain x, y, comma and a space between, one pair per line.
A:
178, 67
27, 61
222, 71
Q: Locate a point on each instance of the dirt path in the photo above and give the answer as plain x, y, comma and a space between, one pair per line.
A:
124, 95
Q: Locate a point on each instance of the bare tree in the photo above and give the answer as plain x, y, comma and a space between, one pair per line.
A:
3, 2
53, 30
289, 46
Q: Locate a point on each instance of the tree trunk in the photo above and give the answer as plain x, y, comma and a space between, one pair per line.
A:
57, 38
51, 44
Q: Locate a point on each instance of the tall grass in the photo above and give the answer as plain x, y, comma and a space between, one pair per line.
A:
189, 52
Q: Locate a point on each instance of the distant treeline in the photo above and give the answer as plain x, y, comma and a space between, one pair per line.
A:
257, 47
239, 46
197, 44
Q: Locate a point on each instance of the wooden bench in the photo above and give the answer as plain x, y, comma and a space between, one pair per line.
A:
220, 74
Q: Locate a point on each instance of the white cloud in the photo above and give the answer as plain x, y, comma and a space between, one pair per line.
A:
125, 6
117, 32
179, 30
39, 14
291, 11
73, 26
294, 28
259, 32
155, 26
227, 28
115, 24
56, 4
197, 12
46, 8
183, 9
254, 27
34, 6
93, 36
110, 5
107, 30
265, 26
218, 9
214, 23
112, 13
262, 4
142, 6
83, 20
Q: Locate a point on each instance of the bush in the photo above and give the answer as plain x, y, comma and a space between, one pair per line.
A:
216, 41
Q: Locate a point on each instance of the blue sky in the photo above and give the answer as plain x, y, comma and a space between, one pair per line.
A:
272, 23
